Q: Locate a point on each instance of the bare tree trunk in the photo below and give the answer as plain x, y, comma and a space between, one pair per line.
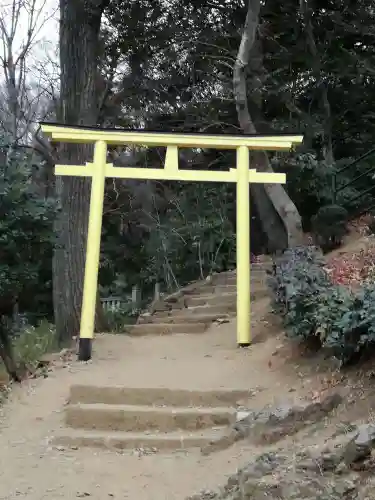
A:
6, 351
79, 43
278, 214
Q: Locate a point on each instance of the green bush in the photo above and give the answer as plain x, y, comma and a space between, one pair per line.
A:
187, 233
315, 309
118, 320
33, 342
309, 184
26, 243
329, 226
353, 331
297, 273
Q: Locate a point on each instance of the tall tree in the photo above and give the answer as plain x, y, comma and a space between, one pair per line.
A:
80, 22
278, 214
321, 82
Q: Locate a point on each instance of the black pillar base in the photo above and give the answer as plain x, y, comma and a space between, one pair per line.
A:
248, 344
84, 349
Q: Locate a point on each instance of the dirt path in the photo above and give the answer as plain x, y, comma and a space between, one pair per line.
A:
30, 467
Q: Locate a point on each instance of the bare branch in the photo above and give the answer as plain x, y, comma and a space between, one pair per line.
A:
21, 23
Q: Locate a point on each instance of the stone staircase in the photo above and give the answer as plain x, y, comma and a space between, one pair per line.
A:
147, 418
118, 417
194, 308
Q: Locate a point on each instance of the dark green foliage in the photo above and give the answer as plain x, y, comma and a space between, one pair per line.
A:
329, 226
26, 239
315, 309
296, 274
194, 237
353, 331
183, 237
118, 320
180, 58
309, 183
25, 232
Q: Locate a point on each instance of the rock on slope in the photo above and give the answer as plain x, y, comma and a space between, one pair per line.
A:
342, 468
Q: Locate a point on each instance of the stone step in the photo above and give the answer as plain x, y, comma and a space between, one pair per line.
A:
254, 278
258, 293
131, 418
259, 278
226, 273
178, 301
203, 309
223, 287
78, 438
261, 283
225, 299
231, 277
143, 329
211, 300
226, 308
218, 289
157, 396
184, 317
223, 281
198, 305
209, 288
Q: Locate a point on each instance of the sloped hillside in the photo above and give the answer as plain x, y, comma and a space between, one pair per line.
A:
300, 456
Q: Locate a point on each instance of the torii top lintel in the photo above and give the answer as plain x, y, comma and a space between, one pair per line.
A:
84, 134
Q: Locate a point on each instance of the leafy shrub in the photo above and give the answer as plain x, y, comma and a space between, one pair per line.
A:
194, 237
316, 309
33, 342
117, 320
354, 331
309, 184
26, 242
329, 226
186, 233
298, 272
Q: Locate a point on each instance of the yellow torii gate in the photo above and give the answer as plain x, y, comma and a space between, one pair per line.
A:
99, 169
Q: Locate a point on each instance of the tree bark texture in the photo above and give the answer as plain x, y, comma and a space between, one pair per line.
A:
278, 214
79, 41
6, 350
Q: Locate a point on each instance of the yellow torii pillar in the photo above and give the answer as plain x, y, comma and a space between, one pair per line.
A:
99, 169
